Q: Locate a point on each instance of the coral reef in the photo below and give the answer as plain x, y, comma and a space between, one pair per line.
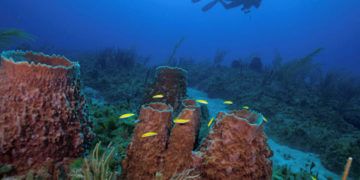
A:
171, 83
42, 117
236, 148
122, 77
308, 109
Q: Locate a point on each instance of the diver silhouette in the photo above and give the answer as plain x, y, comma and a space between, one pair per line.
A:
229, 4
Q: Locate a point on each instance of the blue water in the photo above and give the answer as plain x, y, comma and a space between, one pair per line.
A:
152, 27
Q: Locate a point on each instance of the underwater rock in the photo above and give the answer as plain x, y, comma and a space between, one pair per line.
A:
42, 116
179, 156
144, 154
170, 82
236, 148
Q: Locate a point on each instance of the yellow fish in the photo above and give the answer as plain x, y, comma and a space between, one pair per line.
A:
313, 178
124, 116
228, 102
265, 119
202, 101
245, 107
158, 96
148, 134
181, 121
210, 122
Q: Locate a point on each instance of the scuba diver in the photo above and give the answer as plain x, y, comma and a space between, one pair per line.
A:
229, 4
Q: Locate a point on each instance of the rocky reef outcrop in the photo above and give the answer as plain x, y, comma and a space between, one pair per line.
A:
42, 117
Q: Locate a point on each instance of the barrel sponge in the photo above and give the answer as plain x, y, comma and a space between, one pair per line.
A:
42, 111
171, 82
145, 155
236, 148
179, 154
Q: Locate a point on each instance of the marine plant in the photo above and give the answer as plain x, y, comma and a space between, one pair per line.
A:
97, 166
172, 60
110, 129
187, 174
117, 74
297, 71
286, 173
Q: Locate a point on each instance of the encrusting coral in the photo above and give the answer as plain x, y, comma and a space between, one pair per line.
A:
42, 118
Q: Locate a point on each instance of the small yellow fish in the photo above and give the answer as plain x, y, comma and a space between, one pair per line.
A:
202, 101
148, 134
210, 122
124, 116
313, 178
228, 102
265, 119
158, 96
245, 107
181, 121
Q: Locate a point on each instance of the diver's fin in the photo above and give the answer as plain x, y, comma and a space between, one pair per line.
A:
210, 5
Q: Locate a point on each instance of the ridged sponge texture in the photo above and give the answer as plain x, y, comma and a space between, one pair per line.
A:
170, 82
42, 117
179, 154
236, 148
145, 154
